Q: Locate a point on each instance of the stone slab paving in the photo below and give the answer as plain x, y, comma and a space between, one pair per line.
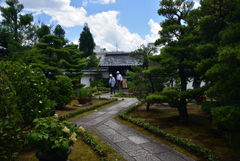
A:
134, 146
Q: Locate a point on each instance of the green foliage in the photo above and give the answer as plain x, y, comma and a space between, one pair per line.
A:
17, 23
63, 94
31, 90
46, 56
169, 95
205, 152
10, 132
86, 42
73, 64
99, 82
94, 89
51, 137
130, 85
102, 89
43, 30
59, 31
93, 61
227, 119
83, 93
208, 106
178, 35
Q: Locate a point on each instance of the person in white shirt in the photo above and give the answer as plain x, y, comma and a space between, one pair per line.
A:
112, 83
119, 81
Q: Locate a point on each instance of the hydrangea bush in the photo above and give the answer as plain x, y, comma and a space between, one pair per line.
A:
52, 137
31, 90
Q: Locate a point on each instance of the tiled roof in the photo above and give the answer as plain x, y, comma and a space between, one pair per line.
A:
119, 59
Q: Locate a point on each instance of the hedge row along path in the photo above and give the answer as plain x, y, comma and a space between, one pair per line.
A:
134, 146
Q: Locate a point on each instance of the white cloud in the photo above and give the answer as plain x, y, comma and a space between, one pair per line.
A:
103, 1
104, 26
196, 5
155, 27
84, 3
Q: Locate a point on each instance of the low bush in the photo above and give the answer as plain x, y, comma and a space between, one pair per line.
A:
99, 82
83, 93
227, 119
63, 92
207, 106
102, 89
130, 85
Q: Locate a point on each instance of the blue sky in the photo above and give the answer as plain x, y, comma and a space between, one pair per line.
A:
129, 23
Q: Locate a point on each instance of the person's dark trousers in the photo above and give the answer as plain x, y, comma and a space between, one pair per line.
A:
119, 85
112, 90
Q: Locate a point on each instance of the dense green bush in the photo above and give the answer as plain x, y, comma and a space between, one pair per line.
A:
207, 106
169, 95
99, 82
10, 133
227, 119
63, 93
31, 90
130, 85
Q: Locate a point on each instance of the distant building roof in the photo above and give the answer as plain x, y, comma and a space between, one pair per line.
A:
94, 70
118, 59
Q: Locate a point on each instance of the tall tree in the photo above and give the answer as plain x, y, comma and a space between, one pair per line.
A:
177, 35
86, 42
47, 55
14, 20
59, 31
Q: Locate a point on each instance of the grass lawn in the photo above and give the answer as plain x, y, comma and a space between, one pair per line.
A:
198, 130
80, 150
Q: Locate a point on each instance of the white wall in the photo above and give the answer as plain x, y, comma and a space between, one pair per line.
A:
85, 80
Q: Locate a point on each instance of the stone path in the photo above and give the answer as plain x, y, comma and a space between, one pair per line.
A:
134, 146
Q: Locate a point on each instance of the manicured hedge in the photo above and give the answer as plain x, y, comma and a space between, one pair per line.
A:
80, 111
205, 152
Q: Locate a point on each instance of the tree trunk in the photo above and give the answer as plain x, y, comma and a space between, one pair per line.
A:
148, 105
182, 109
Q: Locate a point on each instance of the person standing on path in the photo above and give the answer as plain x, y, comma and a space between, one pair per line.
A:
119, 81
112, 83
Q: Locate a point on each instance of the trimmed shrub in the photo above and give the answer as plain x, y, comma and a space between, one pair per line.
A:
63, 94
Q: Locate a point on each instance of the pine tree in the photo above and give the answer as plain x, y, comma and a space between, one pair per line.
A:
59, 31
86, 42
178, 39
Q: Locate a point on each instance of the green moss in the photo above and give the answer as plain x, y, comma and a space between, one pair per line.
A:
198, 130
